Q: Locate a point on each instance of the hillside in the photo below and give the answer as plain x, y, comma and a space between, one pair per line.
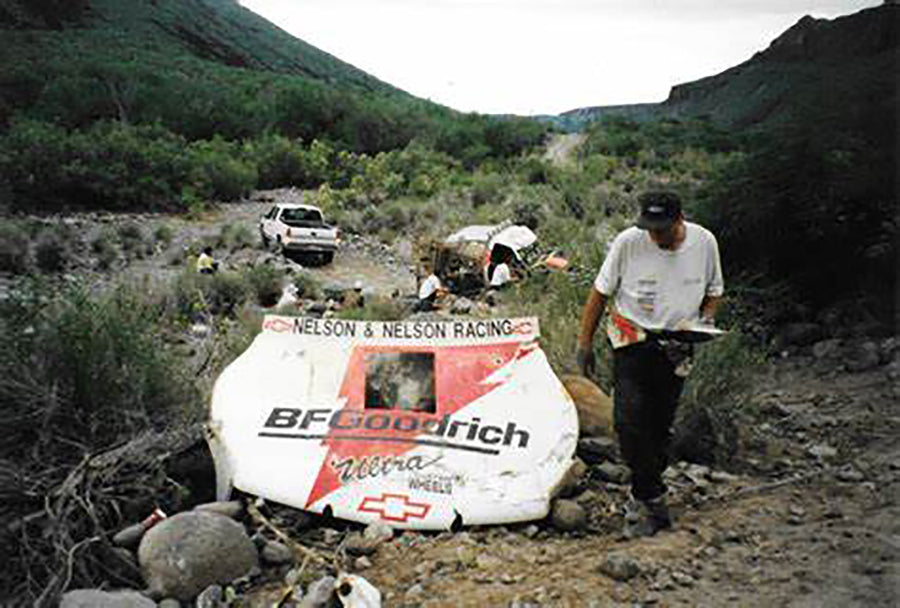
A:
843, 69
220, 31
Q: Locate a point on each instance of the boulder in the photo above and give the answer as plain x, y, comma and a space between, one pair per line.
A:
229, 508
92, 598
595, 408
613, 473
186, 553
594, 450
620, 567
571, 481
568, 515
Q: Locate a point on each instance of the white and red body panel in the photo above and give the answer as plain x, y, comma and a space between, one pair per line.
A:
296, 419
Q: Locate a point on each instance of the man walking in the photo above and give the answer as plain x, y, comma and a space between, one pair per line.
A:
659, 277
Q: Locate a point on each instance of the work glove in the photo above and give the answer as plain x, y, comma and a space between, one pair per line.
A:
586, 361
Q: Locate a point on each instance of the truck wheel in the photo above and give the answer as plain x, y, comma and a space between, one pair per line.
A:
265, 240
328, 257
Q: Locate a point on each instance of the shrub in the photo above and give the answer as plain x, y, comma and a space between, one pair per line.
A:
164, 234
715, 399
308, 286
133, 240
219, 172
105, 248
13, 247
91, 369
51, 252
265, 284
377, 308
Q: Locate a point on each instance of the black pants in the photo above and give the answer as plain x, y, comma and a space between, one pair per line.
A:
645, 400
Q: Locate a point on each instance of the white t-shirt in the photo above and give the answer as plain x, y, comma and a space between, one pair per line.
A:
657, 288
501, 275
429, 286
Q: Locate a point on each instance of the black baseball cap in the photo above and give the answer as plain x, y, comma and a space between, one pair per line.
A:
659, 210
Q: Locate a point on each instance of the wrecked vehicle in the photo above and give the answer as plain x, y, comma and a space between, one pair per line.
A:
425, 424
463, 259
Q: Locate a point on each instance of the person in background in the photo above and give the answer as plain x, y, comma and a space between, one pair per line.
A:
430, 290
205, 263
354, 298
499, 273
659, 276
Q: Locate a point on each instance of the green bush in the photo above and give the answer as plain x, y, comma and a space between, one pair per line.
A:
308, 286
219, 171
280, 161
88, 368
110, 165
265, 284
715, 400
164, 234
804, 207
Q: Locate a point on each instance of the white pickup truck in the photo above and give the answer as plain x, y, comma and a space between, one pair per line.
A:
296, 228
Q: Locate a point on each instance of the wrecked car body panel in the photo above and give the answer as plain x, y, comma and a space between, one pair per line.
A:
425, 425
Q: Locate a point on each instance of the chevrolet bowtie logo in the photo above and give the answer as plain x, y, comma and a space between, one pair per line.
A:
394, 507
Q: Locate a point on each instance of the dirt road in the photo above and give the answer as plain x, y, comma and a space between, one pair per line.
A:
814, 521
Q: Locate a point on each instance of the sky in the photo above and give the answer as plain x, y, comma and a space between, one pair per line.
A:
542, 56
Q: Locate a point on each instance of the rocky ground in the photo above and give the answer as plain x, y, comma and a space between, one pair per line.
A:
807, 515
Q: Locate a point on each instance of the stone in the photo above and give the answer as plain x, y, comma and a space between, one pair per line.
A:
531, 530
92, 598
169, 603
188, 552
461, 306
722, 477
200, 330
331, 536
568, 515
378, 532
415, 591
229, 508
862, 357
467, 556
594, 407
620, 567
571, 481
613, 473
683, 579
826, 349
276, 553
822, 451
849, 474
594, 450
211, 597
362, 563
587, 497
319, 594
357, 544
130, 536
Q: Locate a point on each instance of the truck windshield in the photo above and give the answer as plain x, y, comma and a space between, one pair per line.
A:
302, 217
